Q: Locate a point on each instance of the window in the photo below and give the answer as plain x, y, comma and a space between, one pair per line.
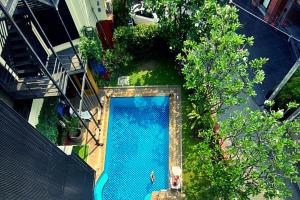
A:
266, 3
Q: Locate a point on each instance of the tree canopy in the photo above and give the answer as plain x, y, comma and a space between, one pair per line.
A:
217, 66
260, 154
175, 19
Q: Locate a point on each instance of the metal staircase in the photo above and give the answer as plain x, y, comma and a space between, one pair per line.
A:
52, 75
16, 52
28, 88
17, 6
6, 76
22, 77
35, 4
41, 86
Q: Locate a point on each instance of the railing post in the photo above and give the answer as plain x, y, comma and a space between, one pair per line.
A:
295, 114
75, 51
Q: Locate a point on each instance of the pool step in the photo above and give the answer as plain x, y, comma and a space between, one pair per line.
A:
162, 195
167, 195
154, 195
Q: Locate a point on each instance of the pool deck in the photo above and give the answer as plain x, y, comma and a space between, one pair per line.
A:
96, 157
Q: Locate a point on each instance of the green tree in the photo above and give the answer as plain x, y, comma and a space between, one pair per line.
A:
175, 19
260, 154
199, 119
217, 66
121, 10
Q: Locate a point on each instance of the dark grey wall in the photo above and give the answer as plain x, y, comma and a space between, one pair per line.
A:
31, 167
4, 97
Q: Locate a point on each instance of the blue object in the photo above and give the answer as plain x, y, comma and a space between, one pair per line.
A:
98, 68
98, 191
137, 143
60, 109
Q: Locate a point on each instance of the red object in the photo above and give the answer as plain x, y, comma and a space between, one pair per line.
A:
105, 32
106, 75
216, 128
221, 142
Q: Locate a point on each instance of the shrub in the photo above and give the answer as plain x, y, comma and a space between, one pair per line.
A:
72, 124
121, 12
131, 42
90, 45
290, 92
116, 58
141, 40
116, 61
48, 119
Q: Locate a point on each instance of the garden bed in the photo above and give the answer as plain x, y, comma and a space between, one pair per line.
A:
47, 120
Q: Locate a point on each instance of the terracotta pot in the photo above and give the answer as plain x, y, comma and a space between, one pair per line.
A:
76, 137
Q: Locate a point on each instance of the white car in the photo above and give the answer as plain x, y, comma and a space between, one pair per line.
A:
140, 15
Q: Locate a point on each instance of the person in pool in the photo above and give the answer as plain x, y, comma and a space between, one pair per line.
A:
152, 177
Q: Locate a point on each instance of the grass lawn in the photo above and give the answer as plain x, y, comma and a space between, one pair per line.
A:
158, 72
82, 151
151, 72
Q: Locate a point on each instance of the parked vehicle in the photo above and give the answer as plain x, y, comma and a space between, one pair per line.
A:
141, 15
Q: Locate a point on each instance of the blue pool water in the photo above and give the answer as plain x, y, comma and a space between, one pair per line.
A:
137, 143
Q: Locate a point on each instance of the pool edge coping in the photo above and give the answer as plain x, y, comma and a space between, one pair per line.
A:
175, 118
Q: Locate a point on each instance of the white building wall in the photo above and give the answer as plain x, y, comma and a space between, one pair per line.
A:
82, 12
99, 7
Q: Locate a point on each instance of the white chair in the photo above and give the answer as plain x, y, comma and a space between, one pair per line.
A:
83, 115
176, 179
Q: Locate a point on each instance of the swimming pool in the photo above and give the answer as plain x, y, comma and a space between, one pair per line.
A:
137, 143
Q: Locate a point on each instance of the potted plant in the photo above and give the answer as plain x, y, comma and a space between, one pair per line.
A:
74, 129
